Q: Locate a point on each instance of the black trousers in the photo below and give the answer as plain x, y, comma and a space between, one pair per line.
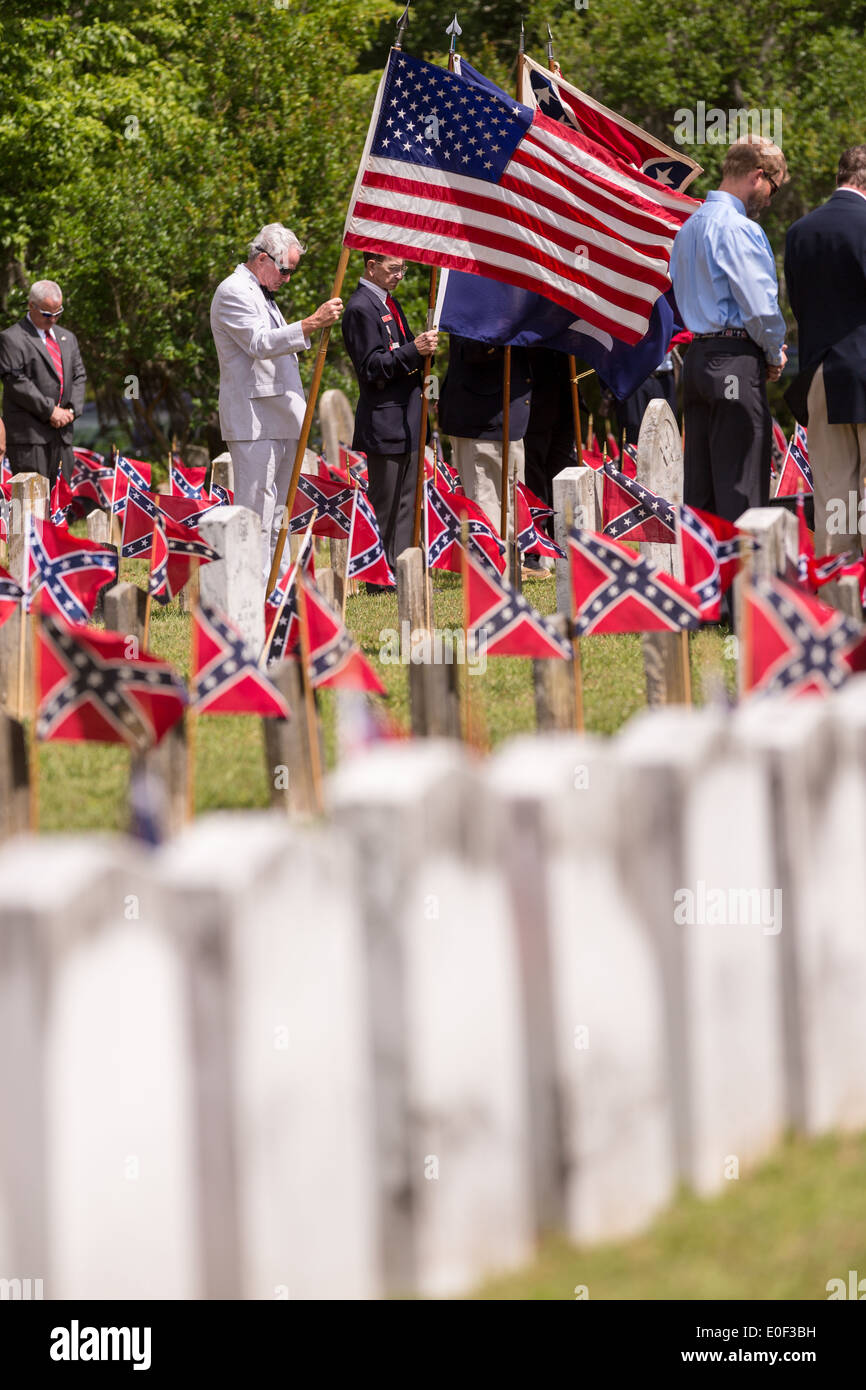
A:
728, 427
41, 458
392, 495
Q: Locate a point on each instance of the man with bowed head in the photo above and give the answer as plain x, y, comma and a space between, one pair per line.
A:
261, 399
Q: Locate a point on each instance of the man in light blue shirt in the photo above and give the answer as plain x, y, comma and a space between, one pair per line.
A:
724, 279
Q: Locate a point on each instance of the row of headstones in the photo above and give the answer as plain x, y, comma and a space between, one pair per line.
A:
485, 1001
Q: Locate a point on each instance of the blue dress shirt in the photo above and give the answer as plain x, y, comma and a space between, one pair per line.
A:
724, 275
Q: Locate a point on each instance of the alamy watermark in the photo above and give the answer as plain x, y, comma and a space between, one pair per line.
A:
729, 907
718, 127
441, 647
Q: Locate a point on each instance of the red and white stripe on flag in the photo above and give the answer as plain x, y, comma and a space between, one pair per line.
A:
456, 173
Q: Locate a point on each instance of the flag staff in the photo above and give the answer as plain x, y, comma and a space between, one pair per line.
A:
263, 660
191, 715
309, 696
744, 645
506, 365
35, 635
464, 584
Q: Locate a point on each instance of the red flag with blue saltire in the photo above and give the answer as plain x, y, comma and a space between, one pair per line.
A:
139, 520
92, 690
64, 506
796, 473
335, 659
834, 567
186, 482
797, 644
177, 550
531, 541
617, 590
186, 511
91, 477
5, 471
225, 677
223, 496
64, 572
444, 512
126, 471
332, 500
632, 512
711, 557
504, 623
281, 604
11, 595
366, 559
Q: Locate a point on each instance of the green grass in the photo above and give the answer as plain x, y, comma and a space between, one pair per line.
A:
84, 785
779, 1233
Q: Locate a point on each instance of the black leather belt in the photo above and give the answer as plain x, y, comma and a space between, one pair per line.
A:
723, 333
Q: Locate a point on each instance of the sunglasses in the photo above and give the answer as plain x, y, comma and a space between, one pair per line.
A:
772, 183
49, 313
284, 270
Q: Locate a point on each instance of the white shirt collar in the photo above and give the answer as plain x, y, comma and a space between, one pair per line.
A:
848, 189
374, 289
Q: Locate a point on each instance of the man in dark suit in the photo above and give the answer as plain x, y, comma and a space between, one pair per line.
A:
387, 361
43, 386
825, 268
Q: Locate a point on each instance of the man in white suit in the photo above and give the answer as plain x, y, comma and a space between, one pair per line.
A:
261, 400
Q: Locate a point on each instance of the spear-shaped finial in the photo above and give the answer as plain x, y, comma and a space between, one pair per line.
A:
522, 49
401, 25
550, 57
455, 31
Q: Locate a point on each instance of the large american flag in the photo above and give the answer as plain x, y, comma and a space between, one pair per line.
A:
456, 173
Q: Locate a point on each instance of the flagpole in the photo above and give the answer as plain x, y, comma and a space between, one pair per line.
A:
348, 560
574, 378
22, 631
745, 637
35, 635
263, 660
146, 630
506, 421
113, 524
576, 666
309, 697
307, 425
191, 714
464, 584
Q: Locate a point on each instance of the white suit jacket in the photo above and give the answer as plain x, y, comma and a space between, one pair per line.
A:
261, 396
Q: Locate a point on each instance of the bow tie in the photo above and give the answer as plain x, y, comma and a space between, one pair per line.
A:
269, 295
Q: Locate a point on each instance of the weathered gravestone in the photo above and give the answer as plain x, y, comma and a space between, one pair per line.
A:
574, 496
434, 697
660, 467
222, 473
234, 584
29, 497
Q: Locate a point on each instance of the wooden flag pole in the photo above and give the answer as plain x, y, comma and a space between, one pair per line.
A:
679, 550
422, 434
348, 557
574, 377
263, 659
506, 421
576, 666
22, 658
191, 714
464, 584
744, 645
35, 635
309, 697
146, 630
318, 369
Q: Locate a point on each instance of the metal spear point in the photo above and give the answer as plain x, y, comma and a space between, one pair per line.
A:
402, 23
522, 48
455, 31
550, 58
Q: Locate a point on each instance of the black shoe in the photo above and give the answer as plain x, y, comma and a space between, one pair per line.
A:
380, 588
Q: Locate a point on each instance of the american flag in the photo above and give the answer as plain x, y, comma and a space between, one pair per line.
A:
335, 659
176, 551
367, 559
11, 595
281, 605
65, 573
531, 541
711, 557
457, 173
91, 688
331, 499
798, 644
670, 169
504, 623
128, 471
634, 513
444, 531
186, 482
616, 590
92, 477
796, 473
225, 677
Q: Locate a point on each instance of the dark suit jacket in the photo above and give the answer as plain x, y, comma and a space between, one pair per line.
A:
388, 417
470, 403
825, 270
31, 387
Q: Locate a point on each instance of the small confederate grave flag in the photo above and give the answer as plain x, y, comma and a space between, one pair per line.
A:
444, 528
633, 513
128, 471
65, 506
64, 572
367, 558
11, 595
798, 645
335, 659
504, 623
616, 590
225, 677
796, 470
186, 482
176, 550
530, 540
92, 477
711, 557
281, 605
186, 511
139, 519
332, 500
92, 686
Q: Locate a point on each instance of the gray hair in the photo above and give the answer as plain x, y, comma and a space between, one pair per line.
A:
45, 289
275, 240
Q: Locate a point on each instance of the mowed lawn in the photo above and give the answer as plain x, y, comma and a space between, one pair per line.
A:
84, 785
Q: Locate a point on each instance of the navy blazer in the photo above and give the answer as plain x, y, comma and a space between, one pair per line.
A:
825, 270
388, 368
31, 386
470, 403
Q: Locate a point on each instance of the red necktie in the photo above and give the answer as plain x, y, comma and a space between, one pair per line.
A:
54, 354
397, 316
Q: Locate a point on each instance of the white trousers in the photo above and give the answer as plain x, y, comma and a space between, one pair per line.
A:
262, 471
479, 463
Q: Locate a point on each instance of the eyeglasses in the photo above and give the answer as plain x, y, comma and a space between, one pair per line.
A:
284, 270
771, 182
49, 313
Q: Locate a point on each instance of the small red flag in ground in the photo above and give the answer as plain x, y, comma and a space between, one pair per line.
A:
335, 659
711, 557
616, 590
504, 623
176, 551
186, 482
225, 676
799, 645
64, 572
11, 595
367, 559
444, 530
